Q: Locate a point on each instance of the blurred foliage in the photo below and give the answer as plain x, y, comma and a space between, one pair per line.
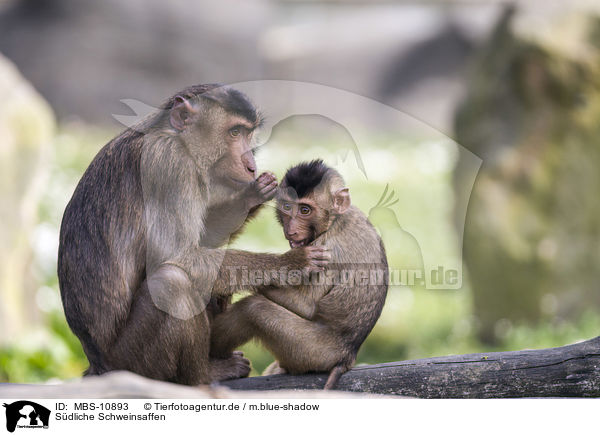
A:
53, 354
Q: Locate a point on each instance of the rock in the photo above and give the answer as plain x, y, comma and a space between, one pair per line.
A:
26, 131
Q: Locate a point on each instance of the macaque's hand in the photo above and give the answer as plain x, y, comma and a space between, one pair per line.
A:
307, 258
263, 189
317, 258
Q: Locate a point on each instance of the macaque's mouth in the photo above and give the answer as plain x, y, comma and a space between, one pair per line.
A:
237, 182
298, 244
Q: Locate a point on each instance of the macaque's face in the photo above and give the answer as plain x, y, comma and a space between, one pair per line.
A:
237, 166
302, 220
306, 215
227, 136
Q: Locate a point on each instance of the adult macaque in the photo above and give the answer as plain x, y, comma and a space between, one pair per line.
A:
137, 260
316, 326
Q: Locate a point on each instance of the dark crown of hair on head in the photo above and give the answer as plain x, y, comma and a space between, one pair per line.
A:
228, 98
305, 177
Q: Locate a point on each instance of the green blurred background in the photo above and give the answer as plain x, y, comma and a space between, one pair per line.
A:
531, 112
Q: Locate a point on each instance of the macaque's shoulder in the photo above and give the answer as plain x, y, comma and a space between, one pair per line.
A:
353, 239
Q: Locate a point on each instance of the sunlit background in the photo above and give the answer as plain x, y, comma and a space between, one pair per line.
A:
518, 86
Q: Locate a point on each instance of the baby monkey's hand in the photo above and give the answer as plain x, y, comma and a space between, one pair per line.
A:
317, 258
307, 258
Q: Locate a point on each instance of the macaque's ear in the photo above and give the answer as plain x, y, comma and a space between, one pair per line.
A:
181, 111
341, 200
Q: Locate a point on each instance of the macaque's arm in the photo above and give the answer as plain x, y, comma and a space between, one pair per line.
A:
228, 218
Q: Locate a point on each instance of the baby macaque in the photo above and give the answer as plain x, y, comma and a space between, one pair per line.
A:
318, 324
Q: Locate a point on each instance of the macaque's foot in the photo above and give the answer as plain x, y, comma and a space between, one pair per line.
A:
236, 366
274, 369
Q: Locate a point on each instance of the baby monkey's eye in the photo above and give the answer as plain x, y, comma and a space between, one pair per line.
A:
305, 210
235, 132
286, 206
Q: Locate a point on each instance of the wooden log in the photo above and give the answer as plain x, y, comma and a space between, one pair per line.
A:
569, 371
126, 385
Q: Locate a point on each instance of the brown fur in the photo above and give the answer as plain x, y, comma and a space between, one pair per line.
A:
149, 214
312, 328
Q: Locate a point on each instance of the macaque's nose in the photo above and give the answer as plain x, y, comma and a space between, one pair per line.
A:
249, 163
292, 230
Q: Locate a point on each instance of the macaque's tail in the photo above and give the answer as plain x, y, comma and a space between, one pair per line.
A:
334, 376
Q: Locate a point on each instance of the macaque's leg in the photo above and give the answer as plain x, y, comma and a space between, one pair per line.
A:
159, 346
299, 302
298, 344
229, 330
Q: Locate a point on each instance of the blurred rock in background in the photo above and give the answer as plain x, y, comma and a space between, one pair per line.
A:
532, 235
26, 133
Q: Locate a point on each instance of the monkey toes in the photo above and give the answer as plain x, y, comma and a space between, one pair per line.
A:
274, 369
236, 366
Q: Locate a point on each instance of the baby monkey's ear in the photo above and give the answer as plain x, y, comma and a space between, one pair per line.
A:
341, 200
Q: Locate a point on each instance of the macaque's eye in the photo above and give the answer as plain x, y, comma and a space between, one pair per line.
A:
235, 132
305, 210
286, 206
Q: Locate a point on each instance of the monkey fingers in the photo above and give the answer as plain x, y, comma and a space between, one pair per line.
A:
261, 190
266, 178
267, 185
236, 366
318, 257
268, 192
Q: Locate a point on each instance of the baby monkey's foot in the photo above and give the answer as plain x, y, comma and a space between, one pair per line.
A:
274, 369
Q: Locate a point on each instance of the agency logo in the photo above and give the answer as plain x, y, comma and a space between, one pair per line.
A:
26, 415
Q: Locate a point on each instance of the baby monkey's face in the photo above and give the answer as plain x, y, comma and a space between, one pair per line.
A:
303, 219
309, 198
